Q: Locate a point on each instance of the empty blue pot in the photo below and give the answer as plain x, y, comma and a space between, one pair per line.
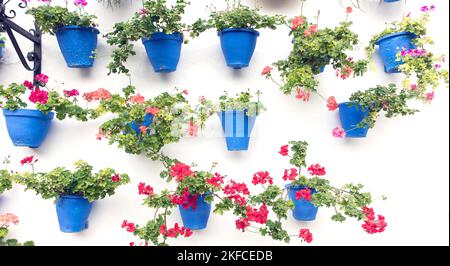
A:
238, 46
196, 219
73, 213
303, 210
78, 45
351, 114
1, 48
163, 50
27, 127
148, 119
237, 126
390, 45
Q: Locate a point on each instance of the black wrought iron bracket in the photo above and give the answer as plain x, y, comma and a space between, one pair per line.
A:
33, 35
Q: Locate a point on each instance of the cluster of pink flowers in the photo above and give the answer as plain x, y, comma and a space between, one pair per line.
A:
42, 79
80, 3
306, 235
266, 71
216, 180
344, 72
28, 160
297, 22
373, 224
186, 200
236, 192
304, 193
303, 94
290, 174
311, 30
316, 170
426, 8
115, 178
180, 171
262, 178
130, 227
253, 215
143, 129
100, 94
192, 128
332, 104
7, 219
144, 189
338, 132
38, 96
28, 84
175, 231
284, 150
137, 98
413, 52
152, 110
429, 96
71, 93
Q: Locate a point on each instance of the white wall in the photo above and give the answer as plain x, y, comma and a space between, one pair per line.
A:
405, 159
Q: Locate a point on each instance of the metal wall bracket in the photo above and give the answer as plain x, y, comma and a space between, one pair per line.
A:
33, 35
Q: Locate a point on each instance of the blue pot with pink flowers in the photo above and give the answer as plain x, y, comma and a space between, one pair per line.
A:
27, 127
78, 45
303, 210
148, 120
351, 115
164, 50
238, 126
391, 45
238, 45
196, 216
73, 213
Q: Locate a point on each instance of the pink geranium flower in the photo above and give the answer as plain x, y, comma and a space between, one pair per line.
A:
338, 132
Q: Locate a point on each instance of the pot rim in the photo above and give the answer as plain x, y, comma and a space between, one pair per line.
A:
163, 36
249, 30
289, 186
29, 113
385, 37
72, 197
74, 27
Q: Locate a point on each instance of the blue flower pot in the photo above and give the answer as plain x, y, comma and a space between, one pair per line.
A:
196, 219
303, 210
73, 213
27, 127
390, 45
148, 119
238, 45
237, 126
163, 50
1, 48
351, 114
78, 45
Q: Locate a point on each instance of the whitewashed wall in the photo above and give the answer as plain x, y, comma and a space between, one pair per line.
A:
405, 159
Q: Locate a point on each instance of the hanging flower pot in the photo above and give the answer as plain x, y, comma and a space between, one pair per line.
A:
237, 126
73, 213
351, 114
27, 127
390, 45
163, 50
196, 217
303, 210
238, 45
148, 119
78, 45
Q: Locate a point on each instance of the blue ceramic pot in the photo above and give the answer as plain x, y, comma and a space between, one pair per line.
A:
238, 45
390, 45
303, 210
237, 126
163, 50
351, 114
196, 219
27, 127
148, 119
73, 213
2, 43
78, 45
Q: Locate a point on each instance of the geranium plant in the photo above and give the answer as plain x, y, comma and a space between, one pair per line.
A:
242, 101
74, 191
303, 195
315, 48
6, 220
75, 30
194, 193
143, 126
237, 27
5, 180
154, 20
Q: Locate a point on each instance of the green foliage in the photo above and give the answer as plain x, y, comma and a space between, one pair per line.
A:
299, 151
237, 16
63, 182
321, 48
383, 98
11, 242
151, 231
2, 41
64, 106
51, 18
174, 114
158, 17
242, 101
5, 180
